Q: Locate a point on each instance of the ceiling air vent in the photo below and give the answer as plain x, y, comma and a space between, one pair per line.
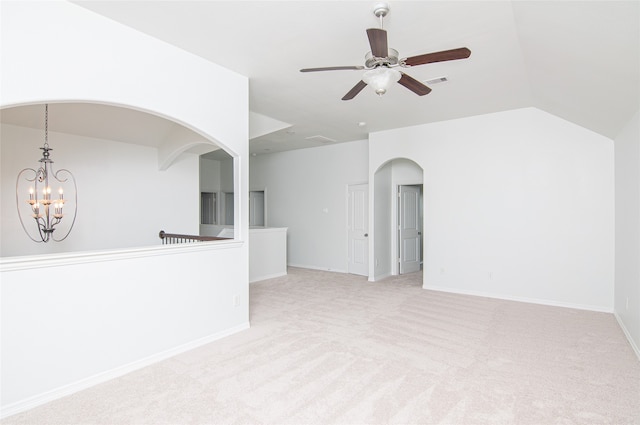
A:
436, 80
321, 139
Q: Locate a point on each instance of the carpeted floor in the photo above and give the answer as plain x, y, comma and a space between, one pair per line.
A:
331, 348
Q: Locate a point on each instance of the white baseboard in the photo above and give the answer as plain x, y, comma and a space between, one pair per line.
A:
267, 276
380, 277
633, 344
519, 299
304, 266
46, 397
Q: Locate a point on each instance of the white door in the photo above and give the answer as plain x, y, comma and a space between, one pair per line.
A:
409, 238
256, 208
358, 229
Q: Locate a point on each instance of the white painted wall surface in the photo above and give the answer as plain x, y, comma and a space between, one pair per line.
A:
112, 312
209, 175
124, 200
307, 192
126, 308
381, 239
267, 253
94, 59
226, 175
406, 171
519, 205
627, 282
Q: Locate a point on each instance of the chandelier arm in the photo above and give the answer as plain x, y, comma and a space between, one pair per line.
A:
75, 200
18, 204
41, 224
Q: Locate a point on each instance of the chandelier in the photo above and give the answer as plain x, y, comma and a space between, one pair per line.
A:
46, 211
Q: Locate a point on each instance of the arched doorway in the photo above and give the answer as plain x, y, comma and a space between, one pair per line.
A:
394, 177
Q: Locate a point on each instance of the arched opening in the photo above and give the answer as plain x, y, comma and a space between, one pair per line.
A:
137, 173
398, 215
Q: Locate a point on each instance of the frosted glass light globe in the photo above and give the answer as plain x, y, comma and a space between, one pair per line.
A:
381, 78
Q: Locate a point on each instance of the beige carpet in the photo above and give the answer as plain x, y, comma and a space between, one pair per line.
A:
330, 348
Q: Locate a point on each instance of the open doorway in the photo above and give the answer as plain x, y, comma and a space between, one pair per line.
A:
388, 180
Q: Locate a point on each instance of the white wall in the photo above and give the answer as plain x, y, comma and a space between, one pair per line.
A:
124, 200
85, 323
267, 253
307, 192
406, 171
70, 321
627, 282
90, 58
209, 175
518, 205
226, 175
381, 239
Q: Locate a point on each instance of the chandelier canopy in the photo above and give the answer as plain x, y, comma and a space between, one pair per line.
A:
46, 210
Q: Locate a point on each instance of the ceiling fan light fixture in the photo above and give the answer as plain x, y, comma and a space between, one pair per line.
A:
381, 60
381, 78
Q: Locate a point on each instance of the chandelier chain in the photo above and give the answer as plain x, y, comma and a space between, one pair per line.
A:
46, 126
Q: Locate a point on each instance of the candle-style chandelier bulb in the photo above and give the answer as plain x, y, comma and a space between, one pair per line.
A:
47, 212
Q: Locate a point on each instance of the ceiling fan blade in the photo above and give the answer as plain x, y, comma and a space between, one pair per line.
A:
378, 42
445, 55
355, 90
414, 85
332, 68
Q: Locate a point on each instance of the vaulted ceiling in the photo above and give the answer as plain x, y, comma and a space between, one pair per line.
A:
577, 60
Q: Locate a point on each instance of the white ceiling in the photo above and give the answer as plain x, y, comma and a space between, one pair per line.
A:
577, 60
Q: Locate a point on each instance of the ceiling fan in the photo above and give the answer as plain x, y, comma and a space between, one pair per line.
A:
381, 61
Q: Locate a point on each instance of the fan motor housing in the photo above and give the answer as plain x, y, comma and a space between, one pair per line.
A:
372, 61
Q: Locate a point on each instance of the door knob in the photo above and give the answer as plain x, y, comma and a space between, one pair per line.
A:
366, 235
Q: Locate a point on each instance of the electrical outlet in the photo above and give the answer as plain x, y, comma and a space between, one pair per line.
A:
236, 300
490, 275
